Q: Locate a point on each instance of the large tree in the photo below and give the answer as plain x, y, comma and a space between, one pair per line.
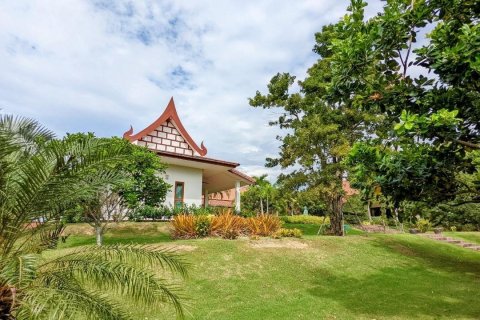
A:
371, 87
321, 128
40, 177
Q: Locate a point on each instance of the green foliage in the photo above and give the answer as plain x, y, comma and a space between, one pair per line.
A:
147, 212
469, 227
145, 185
430, 124
202, 226
451, 215
320, 121
261, 197
142, 183
423, 225
288, 233
305, 219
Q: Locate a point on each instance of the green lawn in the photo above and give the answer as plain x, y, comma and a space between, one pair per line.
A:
360, 276
473, 237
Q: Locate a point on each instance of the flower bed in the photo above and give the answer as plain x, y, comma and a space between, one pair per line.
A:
225, 225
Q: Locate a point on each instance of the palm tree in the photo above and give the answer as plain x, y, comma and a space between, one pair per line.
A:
39, 178
265, 191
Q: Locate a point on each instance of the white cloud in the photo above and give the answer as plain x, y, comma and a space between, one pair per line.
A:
100, 65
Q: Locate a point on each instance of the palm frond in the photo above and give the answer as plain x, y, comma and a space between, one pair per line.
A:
121, 271
66, 302
19, 270
24, 132
142, 256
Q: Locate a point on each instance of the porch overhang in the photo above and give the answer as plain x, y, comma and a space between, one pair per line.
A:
217, 175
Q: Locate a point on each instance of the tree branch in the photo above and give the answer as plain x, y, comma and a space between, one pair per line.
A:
467, 144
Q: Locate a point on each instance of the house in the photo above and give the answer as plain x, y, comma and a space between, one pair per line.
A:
193, 176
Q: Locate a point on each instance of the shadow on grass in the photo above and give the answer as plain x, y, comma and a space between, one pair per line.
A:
473, 236
408, 292
434, 254
307, 229
76, 240
433, 279
312, 229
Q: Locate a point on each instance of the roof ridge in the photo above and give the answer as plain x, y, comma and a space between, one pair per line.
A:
170, 113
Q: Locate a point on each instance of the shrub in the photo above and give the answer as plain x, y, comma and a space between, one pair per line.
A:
147, 212
378, 221
230, 234
453, 228
263, 225
469, 227
184, 226
227, 226
353, 218
293, 233
306, 219
135, 216
423, 225
202, 226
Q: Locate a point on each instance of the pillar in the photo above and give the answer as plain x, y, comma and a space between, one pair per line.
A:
205, 198
237, 197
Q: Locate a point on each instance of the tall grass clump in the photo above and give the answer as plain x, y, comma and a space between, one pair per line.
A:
263, 225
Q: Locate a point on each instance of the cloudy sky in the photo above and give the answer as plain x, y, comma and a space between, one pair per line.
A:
102, 66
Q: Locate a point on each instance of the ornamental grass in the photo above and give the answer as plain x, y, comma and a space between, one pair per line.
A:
263, 225
184, 226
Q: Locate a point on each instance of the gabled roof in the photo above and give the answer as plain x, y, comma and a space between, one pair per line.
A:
171, 114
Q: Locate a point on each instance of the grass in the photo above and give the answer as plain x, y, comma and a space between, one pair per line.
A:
473, 237
81, 234
312, 229
361, 276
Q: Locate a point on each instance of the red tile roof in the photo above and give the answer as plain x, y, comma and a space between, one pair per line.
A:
170, 113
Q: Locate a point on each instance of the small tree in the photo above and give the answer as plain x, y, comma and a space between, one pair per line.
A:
140, 185
261, 195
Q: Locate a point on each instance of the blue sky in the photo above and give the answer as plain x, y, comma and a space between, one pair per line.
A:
101, 66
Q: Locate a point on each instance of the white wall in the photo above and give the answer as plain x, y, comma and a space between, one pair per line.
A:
192, 179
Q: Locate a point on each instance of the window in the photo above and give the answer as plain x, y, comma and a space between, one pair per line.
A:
178, 196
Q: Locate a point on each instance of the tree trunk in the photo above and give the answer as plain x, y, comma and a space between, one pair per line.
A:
7, 301
267, 205
369, 211
99, 234
398, 220
336, 216
261, 206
